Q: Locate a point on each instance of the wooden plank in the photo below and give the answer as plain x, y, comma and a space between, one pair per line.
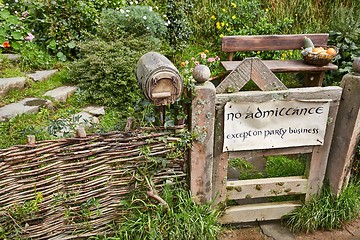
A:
270, 42
257, 212
346, 134
332, 92
237, 78
264, 78
220, 159
271, 152
279, 66
266, 187
319, 158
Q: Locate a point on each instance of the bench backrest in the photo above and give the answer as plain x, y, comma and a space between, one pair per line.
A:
270, 42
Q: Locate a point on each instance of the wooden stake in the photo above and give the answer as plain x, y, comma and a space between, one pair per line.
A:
31, 140
80, 132
128, 125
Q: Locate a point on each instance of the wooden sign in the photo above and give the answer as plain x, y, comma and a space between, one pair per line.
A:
274, 124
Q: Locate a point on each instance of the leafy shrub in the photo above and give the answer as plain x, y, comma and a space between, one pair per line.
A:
132, 20
179, 27
242, 17
106, 71
345, 35
12, 29
59, 24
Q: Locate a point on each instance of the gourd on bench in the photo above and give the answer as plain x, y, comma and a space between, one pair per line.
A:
313, 74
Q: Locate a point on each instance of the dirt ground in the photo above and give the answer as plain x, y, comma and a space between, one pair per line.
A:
349, 232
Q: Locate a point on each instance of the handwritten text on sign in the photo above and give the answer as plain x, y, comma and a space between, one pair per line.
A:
274, 124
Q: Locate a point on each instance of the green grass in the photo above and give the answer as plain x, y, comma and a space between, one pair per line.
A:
15, 130
184, 219
9, 69
282, 166
11, 72
326, 211
245, 169
276, 166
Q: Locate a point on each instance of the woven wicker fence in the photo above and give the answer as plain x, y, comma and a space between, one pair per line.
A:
80, 181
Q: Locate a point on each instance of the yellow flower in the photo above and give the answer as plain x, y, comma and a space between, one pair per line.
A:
218, 26
213, 17
282, 59
233, 4
233, 17
206, 51
222, 24
283, 55
183, 64
221, 35
228, 29
226, 24
224, 10
290, 53
258, 52
266, 9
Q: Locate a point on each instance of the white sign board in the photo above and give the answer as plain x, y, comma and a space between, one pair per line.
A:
274, 124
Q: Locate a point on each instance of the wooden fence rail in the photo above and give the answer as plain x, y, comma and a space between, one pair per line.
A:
93, 172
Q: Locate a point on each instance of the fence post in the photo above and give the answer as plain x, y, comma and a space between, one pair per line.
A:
346, 133
202, 122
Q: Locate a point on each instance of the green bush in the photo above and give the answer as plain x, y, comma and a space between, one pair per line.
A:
345, 35
133, 20
59, 24
179, 27
242, 17
13, 31
106, 71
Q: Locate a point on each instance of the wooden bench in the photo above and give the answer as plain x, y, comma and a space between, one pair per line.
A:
313, 74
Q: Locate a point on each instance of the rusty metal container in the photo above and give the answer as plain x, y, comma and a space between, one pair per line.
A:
158, 78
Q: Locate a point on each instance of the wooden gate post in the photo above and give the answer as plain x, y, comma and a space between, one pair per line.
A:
202, 123
346, 134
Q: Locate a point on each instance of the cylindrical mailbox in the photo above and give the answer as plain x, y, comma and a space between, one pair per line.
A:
158, 78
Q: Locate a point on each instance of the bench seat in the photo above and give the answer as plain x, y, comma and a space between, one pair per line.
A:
314, 75
277, 66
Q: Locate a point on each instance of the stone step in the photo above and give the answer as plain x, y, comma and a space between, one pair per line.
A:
60, 94
27, 105
41, 75
94, 110
12, 57
6, 84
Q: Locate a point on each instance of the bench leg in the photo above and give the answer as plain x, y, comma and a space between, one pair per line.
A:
314, 79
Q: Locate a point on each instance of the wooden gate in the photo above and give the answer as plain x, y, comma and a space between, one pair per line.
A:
209, 160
